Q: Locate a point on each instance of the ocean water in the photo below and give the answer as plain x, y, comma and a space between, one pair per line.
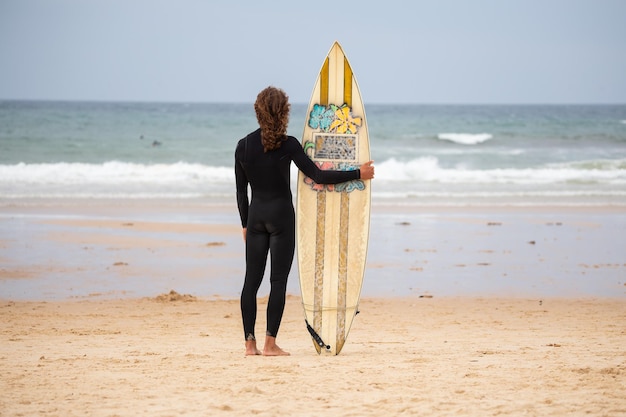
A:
450, 155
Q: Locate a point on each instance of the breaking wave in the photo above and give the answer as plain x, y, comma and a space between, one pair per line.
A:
465, 138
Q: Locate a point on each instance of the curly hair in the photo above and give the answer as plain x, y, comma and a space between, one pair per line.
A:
272, 112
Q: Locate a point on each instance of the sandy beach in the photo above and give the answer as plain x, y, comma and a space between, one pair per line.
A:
465, 311
441, 356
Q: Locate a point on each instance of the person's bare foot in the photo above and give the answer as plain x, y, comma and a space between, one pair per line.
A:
272, 349
251, 348
275, 351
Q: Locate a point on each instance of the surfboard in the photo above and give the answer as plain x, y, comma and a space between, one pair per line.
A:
333, 220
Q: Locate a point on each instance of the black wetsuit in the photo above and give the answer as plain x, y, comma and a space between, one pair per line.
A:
270, 219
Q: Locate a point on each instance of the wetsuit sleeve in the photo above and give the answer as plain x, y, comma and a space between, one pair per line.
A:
308, 167
241, 180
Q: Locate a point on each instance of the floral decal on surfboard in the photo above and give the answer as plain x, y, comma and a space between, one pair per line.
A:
338, 119
334, 144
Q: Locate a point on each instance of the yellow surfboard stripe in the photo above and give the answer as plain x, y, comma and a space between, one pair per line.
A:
343, 269
324, 82
344, 217
347, 83
319, 262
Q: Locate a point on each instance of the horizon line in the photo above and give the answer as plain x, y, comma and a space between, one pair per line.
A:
385, 103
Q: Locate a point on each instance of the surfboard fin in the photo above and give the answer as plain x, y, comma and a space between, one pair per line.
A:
316, 336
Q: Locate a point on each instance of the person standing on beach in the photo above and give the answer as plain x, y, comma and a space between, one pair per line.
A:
262, 160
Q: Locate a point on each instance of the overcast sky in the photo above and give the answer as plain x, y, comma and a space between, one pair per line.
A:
439, 51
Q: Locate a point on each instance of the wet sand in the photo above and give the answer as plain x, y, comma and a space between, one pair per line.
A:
86, 249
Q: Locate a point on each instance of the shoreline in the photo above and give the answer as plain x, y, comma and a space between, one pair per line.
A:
229, 203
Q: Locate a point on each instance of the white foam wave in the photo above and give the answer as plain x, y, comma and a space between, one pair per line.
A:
393, 177
113, 173
465, 138
427, 169
114, 180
